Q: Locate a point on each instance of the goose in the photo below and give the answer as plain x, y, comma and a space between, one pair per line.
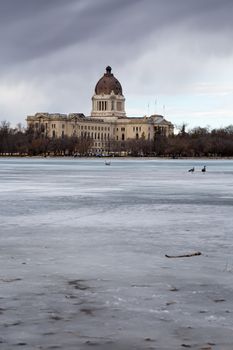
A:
191, 170
203, 169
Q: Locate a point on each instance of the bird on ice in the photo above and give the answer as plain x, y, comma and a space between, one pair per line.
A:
191, 170
203, 169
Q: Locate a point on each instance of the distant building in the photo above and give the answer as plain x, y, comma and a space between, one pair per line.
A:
108, 121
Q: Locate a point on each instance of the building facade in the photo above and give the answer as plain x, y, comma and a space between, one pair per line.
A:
107, 123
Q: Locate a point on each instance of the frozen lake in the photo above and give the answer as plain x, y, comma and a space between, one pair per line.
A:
82, 254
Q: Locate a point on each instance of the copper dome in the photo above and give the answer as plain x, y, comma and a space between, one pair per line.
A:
107, 84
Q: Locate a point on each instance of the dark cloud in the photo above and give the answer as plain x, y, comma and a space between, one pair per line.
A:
32, 28
60, 47
11, 10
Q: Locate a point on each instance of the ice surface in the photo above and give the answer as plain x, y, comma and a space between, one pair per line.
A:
82, 254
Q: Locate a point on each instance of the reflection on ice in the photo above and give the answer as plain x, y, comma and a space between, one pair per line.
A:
83, 254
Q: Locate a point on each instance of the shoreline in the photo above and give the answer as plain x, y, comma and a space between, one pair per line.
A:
116, 157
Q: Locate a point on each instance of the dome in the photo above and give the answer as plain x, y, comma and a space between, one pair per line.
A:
107, 84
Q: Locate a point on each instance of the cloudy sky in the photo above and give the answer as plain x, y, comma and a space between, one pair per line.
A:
173, 57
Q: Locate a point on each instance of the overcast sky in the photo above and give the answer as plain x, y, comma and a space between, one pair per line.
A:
171, 56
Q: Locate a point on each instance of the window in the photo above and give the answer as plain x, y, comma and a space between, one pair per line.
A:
63, 134
54, 134
122, 129
119, 106
102, 105
63, 126
134, 128
123, 137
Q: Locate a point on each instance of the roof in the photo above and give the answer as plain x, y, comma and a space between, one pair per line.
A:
108, 84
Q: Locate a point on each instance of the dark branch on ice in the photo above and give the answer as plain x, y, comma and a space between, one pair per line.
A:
184, 255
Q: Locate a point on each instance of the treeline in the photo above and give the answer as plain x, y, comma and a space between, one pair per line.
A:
26, 142
198, 142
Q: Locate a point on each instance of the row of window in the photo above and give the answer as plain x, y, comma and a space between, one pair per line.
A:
101, 105
54, 126
99, 150
85, 127
122, 129
136, 128
95, 136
